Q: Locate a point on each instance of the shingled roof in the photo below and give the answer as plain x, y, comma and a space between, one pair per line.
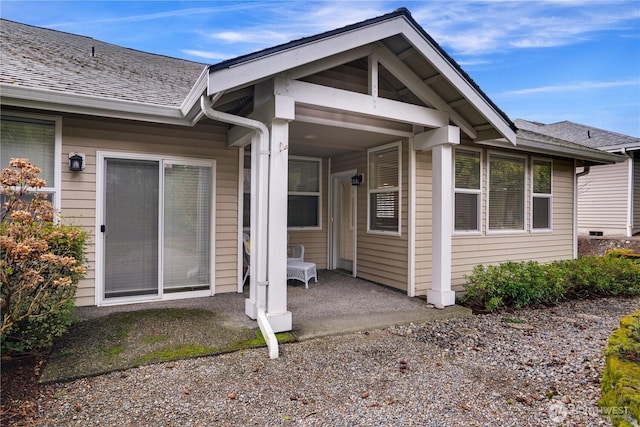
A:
48, 59
588, 136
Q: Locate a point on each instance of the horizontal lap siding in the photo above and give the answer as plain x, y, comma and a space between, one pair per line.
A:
469, 251
88, 135
602, 199
383, 259
423, 219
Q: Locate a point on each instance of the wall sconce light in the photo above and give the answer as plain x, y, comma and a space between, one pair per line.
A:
76, 162
356, 179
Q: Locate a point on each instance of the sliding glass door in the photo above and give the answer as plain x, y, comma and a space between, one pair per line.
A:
157, 227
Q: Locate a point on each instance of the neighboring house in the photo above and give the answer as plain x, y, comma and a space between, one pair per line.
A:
608, 195
181, 159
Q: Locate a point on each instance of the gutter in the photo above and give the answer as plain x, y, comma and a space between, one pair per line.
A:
259, 223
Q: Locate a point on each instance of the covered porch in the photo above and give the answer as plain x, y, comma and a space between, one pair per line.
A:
337, 304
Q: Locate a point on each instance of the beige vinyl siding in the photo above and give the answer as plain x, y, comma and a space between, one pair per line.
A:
636, 192
315, 241
88, 135
381, 258
471, 250
423, 219
602, 199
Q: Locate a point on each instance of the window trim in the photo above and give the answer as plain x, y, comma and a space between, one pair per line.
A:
398, 189
541, 195
308, 193
468, 191
56, 189
525, 225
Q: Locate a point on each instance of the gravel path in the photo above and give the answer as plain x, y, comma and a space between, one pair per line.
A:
535, 367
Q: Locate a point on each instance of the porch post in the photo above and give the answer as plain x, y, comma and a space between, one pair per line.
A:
277, 313
441, 142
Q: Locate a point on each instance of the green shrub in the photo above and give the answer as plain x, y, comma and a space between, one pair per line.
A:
40, 264
519, 284
621, 376
622, 253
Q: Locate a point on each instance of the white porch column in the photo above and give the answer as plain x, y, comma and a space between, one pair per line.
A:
441, 142
277, 314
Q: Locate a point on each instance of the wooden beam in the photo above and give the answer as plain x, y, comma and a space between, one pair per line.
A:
357, 103
420, 89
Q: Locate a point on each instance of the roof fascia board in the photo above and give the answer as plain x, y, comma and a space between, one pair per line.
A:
455, 78
420, 89
44, 99
337, 99
251, 71
620, 148
193, 98
540, 147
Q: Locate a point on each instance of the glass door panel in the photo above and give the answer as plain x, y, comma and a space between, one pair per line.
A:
187, 227
132, 190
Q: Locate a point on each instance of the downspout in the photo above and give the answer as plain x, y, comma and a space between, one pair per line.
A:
584, 172
259, 237
629, 193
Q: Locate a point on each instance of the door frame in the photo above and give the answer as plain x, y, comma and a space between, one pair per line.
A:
101, 157
334, 209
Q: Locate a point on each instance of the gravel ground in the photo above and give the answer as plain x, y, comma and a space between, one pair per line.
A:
534, 367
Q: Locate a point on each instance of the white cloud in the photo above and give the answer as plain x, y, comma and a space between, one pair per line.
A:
478, 28
207, 54
571, 87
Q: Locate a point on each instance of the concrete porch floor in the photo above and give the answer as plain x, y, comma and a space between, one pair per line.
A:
337, 304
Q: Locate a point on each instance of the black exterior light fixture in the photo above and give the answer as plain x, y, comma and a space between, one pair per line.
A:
76, 162
356, 179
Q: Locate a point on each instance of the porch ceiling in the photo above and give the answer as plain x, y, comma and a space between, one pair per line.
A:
319, 140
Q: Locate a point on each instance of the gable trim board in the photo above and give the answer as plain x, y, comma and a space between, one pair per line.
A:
272, 100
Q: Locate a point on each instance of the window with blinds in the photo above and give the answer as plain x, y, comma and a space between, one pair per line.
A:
467, 190
541, 194
506, 192
35, 140
384, 189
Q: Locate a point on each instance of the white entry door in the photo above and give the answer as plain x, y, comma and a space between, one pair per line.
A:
156, 228
343, 223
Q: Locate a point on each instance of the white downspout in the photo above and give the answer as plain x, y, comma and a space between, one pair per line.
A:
259, 223
585, 171
629, 193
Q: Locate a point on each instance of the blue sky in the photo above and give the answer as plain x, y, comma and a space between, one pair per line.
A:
544, 61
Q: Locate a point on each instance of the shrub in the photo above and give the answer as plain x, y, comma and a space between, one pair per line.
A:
621, 377
40, 263
519, 284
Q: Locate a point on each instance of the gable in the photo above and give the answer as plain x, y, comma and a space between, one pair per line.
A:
389, 57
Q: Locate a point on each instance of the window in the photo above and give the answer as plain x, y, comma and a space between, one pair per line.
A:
506, 192
303, 207
384, 189
467, 191
541, 195
303, 202
36, 138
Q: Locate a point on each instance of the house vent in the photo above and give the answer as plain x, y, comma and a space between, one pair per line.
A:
595, 233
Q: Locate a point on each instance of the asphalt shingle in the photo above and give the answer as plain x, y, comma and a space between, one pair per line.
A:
54, 60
